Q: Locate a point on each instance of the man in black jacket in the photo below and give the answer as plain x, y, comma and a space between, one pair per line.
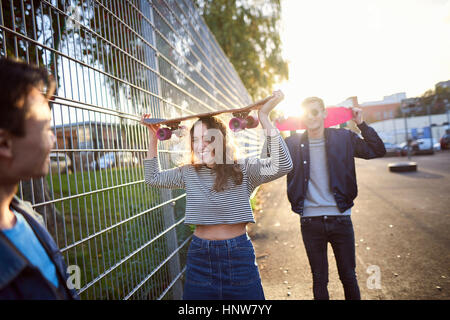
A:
321, 189
31, 266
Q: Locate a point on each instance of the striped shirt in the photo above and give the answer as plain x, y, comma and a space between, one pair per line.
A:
204, 205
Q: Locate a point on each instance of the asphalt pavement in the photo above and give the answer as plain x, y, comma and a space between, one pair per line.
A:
402, 235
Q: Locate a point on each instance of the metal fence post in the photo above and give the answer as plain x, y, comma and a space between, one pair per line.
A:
167, 195
172, 243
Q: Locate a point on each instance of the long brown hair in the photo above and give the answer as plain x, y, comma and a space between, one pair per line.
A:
224, 169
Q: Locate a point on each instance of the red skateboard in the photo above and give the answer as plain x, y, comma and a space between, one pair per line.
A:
336, 115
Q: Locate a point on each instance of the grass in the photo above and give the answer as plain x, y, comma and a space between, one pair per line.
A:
77, 218
254, 200
81, 217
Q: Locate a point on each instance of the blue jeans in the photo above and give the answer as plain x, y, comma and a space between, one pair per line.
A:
222, 269
338, 231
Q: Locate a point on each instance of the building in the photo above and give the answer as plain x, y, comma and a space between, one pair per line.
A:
384, 109
83, 141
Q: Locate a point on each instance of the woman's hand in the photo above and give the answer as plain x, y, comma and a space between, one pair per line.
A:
263, 113
153, 140
277, 97
152, 128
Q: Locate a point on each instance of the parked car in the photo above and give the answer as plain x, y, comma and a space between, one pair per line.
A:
402, 149
437, 146
113, 159
445, 141
391, 149
59, 162
419, 146
426, 146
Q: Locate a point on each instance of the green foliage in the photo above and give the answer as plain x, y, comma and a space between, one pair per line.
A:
33, 20
248, 32
431, 101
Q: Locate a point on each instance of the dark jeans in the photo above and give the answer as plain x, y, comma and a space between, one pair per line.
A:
338, 231
222, 269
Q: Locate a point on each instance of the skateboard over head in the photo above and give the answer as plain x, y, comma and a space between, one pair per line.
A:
241, 120
335, 116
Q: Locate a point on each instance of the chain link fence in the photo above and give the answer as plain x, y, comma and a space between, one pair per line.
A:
114, 60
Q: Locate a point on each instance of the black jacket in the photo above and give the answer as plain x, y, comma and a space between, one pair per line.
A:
342, 146
19, 279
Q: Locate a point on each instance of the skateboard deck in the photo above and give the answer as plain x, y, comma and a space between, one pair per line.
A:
336, 115
241, 120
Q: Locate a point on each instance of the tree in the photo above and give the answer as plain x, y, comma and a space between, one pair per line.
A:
33, 20
435, 100
248, 32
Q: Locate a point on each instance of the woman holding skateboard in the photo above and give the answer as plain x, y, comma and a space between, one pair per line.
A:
221, 262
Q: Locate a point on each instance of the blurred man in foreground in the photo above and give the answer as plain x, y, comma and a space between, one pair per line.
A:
31, 266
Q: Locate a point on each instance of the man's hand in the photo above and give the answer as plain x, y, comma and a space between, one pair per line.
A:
357, 115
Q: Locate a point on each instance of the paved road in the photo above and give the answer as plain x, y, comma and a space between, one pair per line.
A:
402, 227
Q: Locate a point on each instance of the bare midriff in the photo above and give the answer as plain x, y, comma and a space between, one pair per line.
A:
220, 231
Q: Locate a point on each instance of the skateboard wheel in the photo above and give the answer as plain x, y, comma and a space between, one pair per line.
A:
237, 124
164, 134
252, 122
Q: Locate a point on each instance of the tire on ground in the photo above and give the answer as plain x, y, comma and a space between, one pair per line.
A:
402, 166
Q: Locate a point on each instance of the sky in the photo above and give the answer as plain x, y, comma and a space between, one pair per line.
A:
364, 48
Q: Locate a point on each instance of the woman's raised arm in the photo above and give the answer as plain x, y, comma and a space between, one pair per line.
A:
154, 176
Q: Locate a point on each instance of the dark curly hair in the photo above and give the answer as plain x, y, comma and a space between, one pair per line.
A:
17, 79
